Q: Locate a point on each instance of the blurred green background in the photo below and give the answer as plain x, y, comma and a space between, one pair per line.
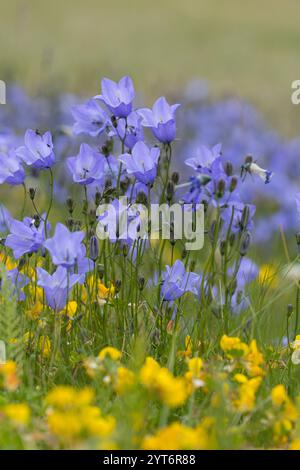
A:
250, 49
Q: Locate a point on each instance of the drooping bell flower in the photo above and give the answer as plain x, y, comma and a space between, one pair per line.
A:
38, 150
161, 120
117, 97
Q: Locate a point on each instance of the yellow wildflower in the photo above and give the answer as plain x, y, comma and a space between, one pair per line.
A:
8, 375
233, 346
110, 352
188, 348
170, 390
177, 437
18, 413
247, 394
125, 380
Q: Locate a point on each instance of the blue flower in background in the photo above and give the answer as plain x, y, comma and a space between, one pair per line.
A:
5, 219
57, 286
161, 120
247, 272
65, 247
129, 130
204, 157
177, 281
239, 215
117, 97
25, 237
142, 163
17, 281
90, 118
38, 150
11, 169
87, 166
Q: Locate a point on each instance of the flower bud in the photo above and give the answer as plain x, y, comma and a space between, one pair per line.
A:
32, 192
228, 168
298, 239
70, 205
245, 243
175, 177
233, 184
221, 188
245, 217
94, 248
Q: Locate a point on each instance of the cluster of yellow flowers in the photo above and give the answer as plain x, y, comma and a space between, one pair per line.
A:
72, 416
229, 388
179, 437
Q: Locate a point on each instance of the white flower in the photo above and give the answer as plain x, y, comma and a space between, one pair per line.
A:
265, 175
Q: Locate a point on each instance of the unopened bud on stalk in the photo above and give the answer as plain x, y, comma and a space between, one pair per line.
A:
233, 184
245, 217
94, 248
70, 205
245, 243
228, 169
32, 192
175, 177
221, 188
